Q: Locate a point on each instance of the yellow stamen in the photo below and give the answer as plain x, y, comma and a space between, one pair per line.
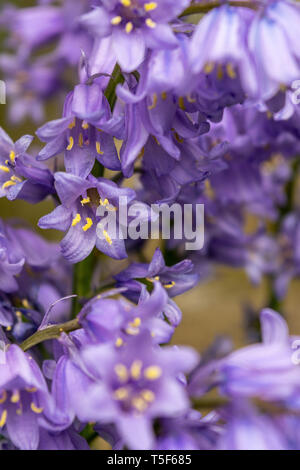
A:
76, 220
121, 372
153, 372
150, 6
8, 184
31, 390
3, 418
25, 303
154, 103
15, 178
3, 396
179, 139
80, 140
190, 99
136, 369
150, 23
220, 72
121, 393
181, 103
15, 397
230, 71
73, 124
98, 148
139, 404
12, 156
88, 225
8, 328
126, 3
35, 409
4, 168
85, 125
136, 323
71, 143
85, 201
129, 27
164, 95
148, 395
170, 285
116, 20
104, 203
209, 67
119, 342
107, 237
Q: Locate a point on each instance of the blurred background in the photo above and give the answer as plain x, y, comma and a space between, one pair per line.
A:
215, 307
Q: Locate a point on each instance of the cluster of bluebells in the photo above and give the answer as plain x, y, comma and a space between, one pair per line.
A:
154, 106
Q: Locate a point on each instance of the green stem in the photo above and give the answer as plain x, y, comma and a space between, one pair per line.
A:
110, 92
51, 332
206, 7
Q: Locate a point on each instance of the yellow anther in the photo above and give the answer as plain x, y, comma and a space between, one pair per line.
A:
12, 156
88, 225
135, 369
85, 201
170, 285
181, 103
220, 72
116, 20
98, 148
150, 6
72, 125
4, 168
71, 143
107, 237
25, 303
76, 220
80, 140
35, 409
31, 390
104, 203
121, 393
19, 410
15, 397
154, 102
148, 395
126, 3
164, 95
129, 27
121, 372
139, 404
190, 99
179, 139
230, 71
3, 418
208, 68
150, 23
16, 179
18, 314
8, 328
85, 125
3, 396
7, 184
119, 342
136, 322
152, 372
